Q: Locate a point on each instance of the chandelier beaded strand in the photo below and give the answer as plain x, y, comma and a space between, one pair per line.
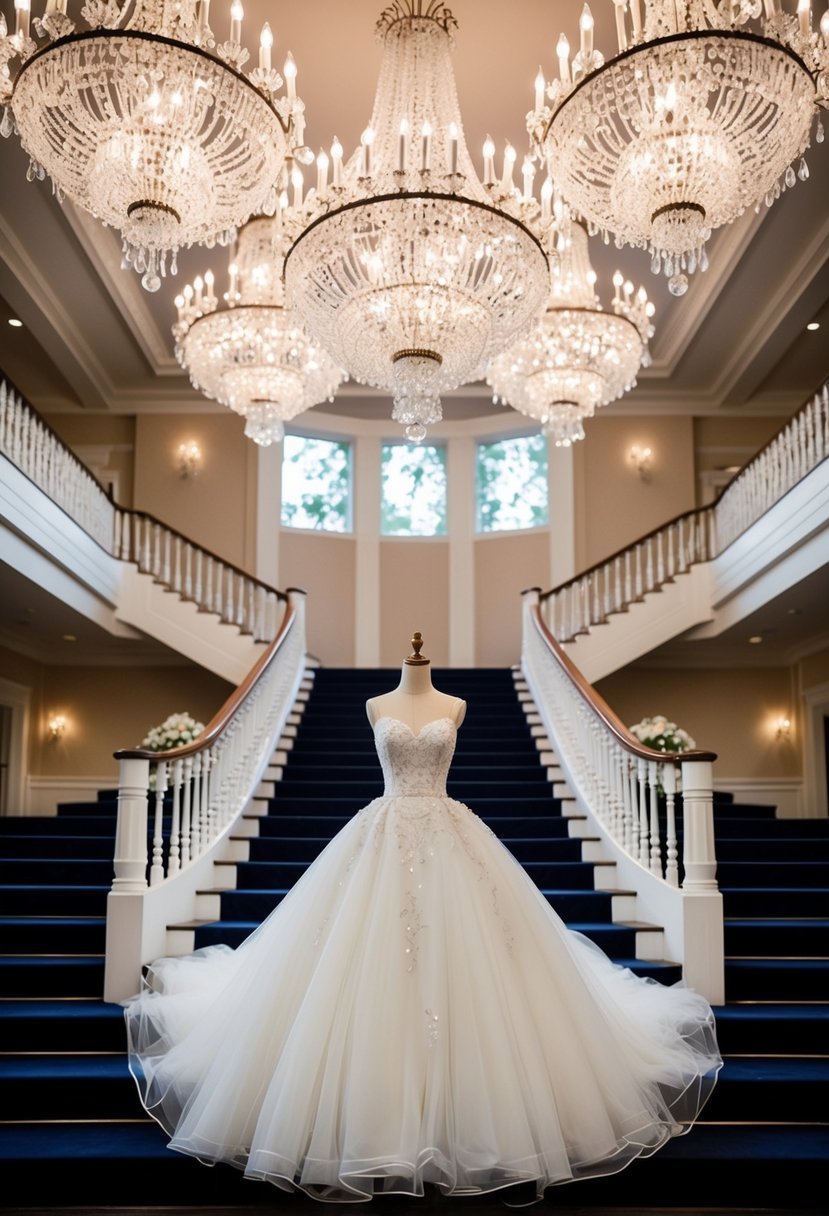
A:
251, 354
698, 117
409, 270
147, 122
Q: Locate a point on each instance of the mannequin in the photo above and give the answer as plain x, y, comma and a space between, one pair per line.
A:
415, 701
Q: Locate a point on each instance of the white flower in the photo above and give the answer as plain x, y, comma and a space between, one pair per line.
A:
174, 731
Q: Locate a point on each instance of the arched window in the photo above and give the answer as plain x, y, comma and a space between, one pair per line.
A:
316, 484
511, 484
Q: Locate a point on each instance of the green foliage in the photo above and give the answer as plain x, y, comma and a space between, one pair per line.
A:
512, 484
316, 484
413, 497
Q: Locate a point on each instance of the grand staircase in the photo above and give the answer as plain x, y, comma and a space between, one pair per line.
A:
74, 1134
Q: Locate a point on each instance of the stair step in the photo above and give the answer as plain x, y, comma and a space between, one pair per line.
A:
775, 902
775, 979
763, 937
768, 1028
44, 934
63, 1025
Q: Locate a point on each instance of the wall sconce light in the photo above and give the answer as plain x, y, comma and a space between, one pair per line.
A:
784, 728
57, 726
640, 458
189, 458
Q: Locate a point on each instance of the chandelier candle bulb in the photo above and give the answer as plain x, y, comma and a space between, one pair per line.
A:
528, 175
636, 19
367, 139
204, 13
402, 146
289, 72
297, 181
540, 88
621, 33
322, 173
489, 161
546, 196
453, 148
265, 44
509, 164
237, 12
426, 147
563, 52
824, 28
586, 33
336, 163
21, 14
804, 14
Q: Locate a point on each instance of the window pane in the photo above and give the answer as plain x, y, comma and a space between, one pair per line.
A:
316, 484
512, 484
413, 490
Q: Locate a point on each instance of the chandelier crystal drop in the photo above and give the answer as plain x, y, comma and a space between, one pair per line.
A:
409, 269
147, 122
699, 115
579, 356
252, 355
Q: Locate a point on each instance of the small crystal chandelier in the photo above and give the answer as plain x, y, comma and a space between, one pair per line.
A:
695, 119
252, 355
579, 356
147, 123
409, 270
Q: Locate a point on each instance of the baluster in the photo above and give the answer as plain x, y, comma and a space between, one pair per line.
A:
642, 849
176, 581
198, 589
210, 819
671, 852
637, 557
187, 563
629, 834
174, 862
186, 810
157, 864
628, 580
197, 842
655, 843
660, 557
672, 552
229, 593
649, 564
146, 557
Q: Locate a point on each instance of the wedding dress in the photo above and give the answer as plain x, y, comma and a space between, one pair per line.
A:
414, 1012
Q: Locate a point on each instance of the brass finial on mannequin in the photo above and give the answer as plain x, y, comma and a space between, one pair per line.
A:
416, 658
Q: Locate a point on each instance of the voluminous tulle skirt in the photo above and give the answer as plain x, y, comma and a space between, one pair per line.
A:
414, 1012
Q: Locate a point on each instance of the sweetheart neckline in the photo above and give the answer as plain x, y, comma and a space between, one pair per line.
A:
414, 734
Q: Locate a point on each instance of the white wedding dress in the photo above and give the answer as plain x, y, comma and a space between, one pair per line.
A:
413, 1012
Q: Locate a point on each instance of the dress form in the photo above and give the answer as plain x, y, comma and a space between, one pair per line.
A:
416, 701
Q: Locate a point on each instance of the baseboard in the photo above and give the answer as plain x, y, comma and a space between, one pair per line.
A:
785, 794
44, 793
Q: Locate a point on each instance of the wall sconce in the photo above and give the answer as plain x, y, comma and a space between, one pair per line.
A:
640, 458
783, 727
57, 726
189, 458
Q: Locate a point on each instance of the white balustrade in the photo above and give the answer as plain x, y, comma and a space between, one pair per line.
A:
626, 577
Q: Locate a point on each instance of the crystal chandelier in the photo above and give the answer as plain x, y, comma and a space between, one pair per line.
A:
409, 269
579, 356
148, 123
698, 116
252, 355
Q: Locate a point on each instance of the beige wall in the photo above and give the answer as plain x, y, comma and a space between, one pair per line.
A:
730, 711
814, 670
614, 505
217, 507
504, 567
414, 595
323, 566
106, 708
112, 436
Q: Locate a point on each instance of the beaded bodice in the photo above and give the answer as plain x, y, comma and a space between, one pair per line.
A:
415, 763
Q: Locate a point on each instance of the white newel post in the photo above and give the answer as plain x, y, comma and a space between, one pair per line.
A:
125, 902
703, 945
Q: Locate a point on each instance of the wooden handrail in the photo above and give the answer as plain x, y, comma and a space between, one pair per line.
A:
677, 519
222, 718
133, 512
602, 710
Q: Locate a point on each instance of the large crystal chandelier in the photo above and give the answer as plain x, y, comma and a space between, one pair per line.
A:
698, 116
148, 123
579, 356
252, 355
411, 271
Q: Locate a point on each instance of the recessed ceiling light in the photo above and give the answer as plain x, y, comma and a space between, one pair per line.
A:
15, 323
69, 637
813, 325
756, 638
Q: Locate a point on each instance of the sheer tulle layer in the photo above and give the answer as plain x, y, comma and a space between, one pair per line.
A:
414, 1012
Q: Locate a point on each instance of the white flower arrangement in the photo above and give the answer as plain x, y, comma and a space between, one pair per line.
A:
175, 731
662, 735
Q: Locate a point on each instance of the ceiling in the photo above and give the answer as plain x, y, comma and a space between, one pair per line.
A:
94, 342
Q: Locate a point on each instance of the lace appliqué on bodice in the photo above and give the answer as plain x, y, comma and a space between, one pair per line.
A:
415, 763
